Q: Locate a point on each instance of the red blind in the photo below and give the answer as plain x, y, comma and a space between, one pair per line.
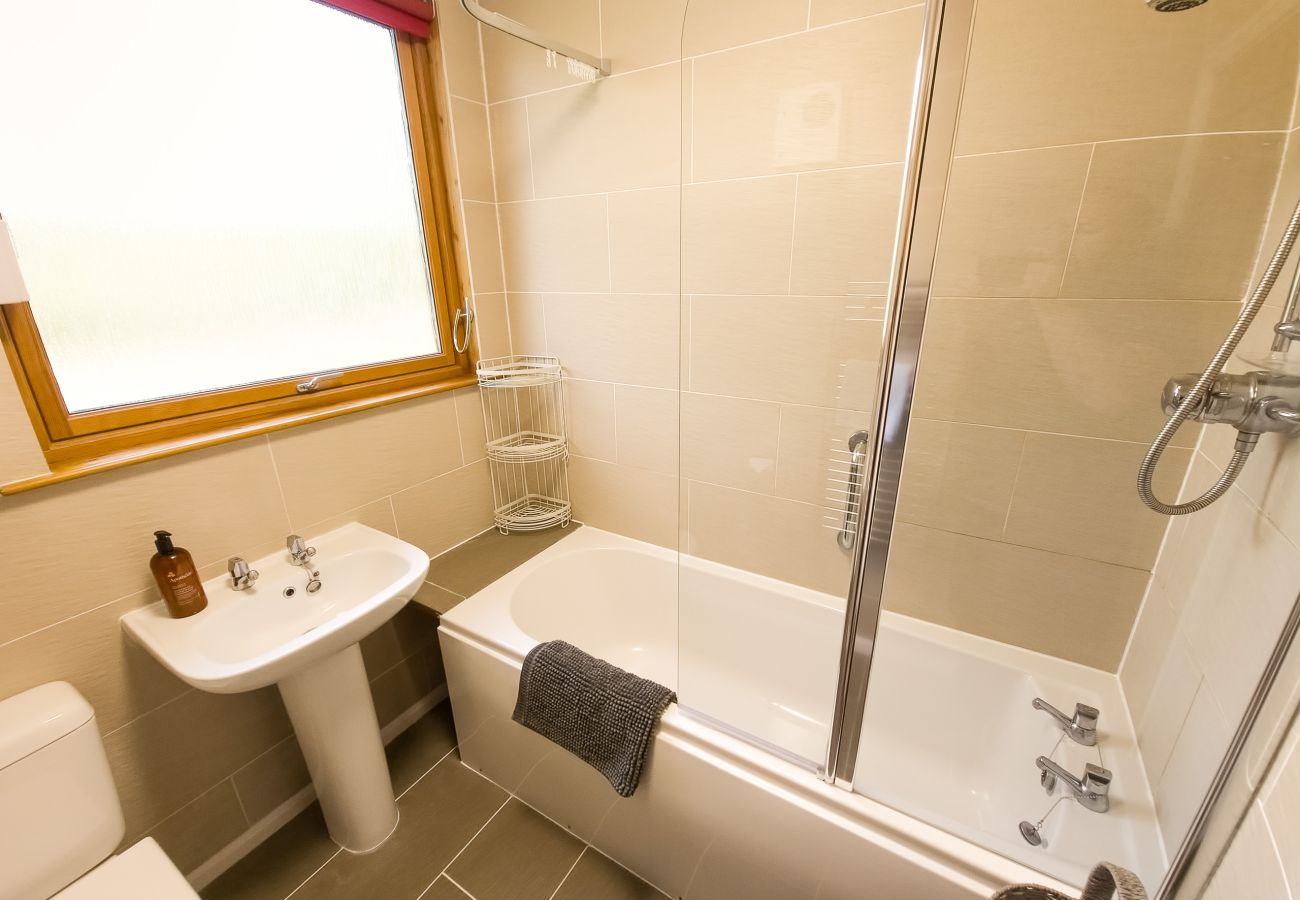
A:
409, 16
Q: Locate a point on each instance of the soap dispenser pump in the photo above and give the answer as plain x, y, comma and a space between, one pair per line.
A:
178, 579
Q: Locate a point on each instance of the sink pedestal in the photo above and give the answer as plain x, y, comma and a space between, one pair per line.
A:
334, 718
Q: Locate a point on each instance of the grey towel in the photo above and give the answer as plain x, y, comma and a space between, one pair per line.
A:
595, 710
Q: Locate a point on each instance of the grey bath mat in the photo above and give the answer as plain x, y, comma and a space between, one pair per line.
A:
599, 713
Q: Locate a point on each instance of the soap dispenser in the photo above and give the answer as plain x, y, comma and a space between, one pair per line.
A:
178, 580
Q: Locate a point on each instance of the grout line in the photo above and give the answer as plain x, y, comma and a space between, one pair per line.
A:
1078, 216
794, 230
314, 874
248, 821
451, 862
426, 771
460, 887
1015, 483
609, 246
392, 507
808, 20
275, 467
532, 165
581, 854
1124, 140
460, 442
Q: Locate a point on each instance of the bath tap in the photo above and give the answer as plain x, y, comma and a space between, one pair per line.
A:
1092, 791
242, 576
1082, 729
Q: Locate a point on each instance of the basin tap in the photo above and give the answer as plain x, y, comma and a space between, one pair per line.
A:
299, 553
1092, 791
242, 576
1082, 729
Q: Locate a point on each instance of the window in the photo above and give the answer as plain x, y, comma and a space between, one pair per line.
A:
229, 217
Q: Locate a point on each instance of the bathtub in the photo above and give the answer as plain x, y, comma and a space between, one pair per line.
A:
729, 805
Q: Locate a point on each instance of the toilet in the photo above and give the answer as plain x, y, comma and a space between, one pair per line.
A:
62, 819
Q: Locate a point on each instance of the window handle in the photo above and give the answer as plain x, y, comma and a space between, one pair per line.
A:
313, 384
466, 315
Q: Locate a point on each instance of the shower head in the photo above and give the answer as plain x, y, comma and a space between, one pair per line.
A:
1173, 5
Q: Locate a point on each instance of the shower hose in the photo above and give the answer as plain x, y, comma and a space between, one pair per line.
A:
1245, 441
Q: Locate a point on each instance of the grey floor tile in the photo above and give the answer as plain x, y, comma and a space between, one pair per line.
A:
475, 564
442, 889
419, 748
520, 855
440, 814
597, 877
282, 862
436, 598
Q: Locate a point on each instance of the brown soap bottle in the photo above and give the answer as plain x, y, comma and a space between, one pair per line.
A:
178, 580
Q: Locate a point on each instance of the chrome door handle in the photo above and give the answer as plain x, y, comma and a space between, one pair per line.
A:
857, 458
466, 315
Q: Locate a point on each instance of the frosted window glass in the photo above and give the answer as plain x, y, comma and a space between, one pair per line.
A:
206, 195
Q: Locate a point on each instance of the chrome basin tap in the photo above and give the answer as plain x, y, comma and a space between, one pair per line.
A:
1082, 729
241, 576
299, 552
1092, 791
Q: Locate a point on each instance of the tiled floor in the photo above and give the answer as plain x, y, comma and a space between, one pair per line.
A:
460, 836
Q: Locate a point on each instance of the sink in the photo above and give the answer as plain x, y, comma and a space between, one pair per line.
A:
276, 632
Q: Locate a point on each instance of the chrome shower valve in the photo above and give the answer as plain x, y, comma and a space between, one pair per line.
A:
1254, 403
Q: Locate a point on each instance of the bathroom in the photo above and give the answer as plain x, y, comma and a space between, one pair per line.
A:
847, 322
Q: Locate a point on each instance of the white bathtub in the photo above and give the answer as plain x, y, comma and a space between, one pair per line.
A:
950, 736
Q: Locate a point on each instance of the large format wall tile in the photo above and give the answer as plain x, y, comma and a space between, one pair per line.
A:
20, 454
617, 134
1043, 74
646, 420
341, 463
645, 241
730, 442
512, 157
825, 12
736, 236
78, 545
556, 245
483, 247
1173, 218
758, 347
625, 338
473, 155
590, 418
640, 504
1008, 221
1085, 367
844, 227
437, 515
635, 34
717, 24
458, 33
821, 99
813, 454
1067, 607
515, 68
1252, 867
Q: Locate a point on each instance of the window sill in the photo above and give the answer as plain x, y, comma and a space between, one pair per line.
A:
73, 469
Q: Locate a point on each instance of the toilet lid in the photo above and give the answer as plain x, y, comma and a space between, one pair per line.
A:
143, 870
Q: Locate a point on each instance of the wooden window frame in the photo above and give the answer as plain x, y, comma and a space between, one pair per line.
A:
77, 444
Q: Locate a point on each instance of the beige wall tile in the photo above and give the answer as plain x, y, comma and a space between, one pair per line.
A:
590, 418
515, 68
837, 96
171, 755
647, 423
1147, 649
527, 324
1196, 757
116, 675
844, 228
20, 454
804, 350
1284, 200
627, 338
512, 158
438, 514
400, 688
1176, 682
730, 442
341, 463
1085, 367
215, 501
1076, 495
736, 236
634, 502
813, 456
1252, 866
556, 245
473, 156
469, 419
1281, 802
271, 779
191, 835
636, 34
645, 241
491, 325
458, 34
616, 134
826, 12
1008, 222
377, 515
1176, 218
783, 539
717, 24
1043, 75
484, 246
959, 477
1030, 598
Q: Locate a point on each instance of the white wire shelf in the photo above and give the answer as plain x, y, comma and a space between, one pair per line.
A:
533, 512
528, 446
518, 371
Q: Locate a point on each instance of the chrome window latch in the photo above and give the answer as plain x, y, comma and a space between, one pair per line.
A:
459, 340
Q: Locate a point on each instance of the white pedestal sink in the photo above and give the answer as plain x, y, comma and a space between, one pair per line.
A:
275, 632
